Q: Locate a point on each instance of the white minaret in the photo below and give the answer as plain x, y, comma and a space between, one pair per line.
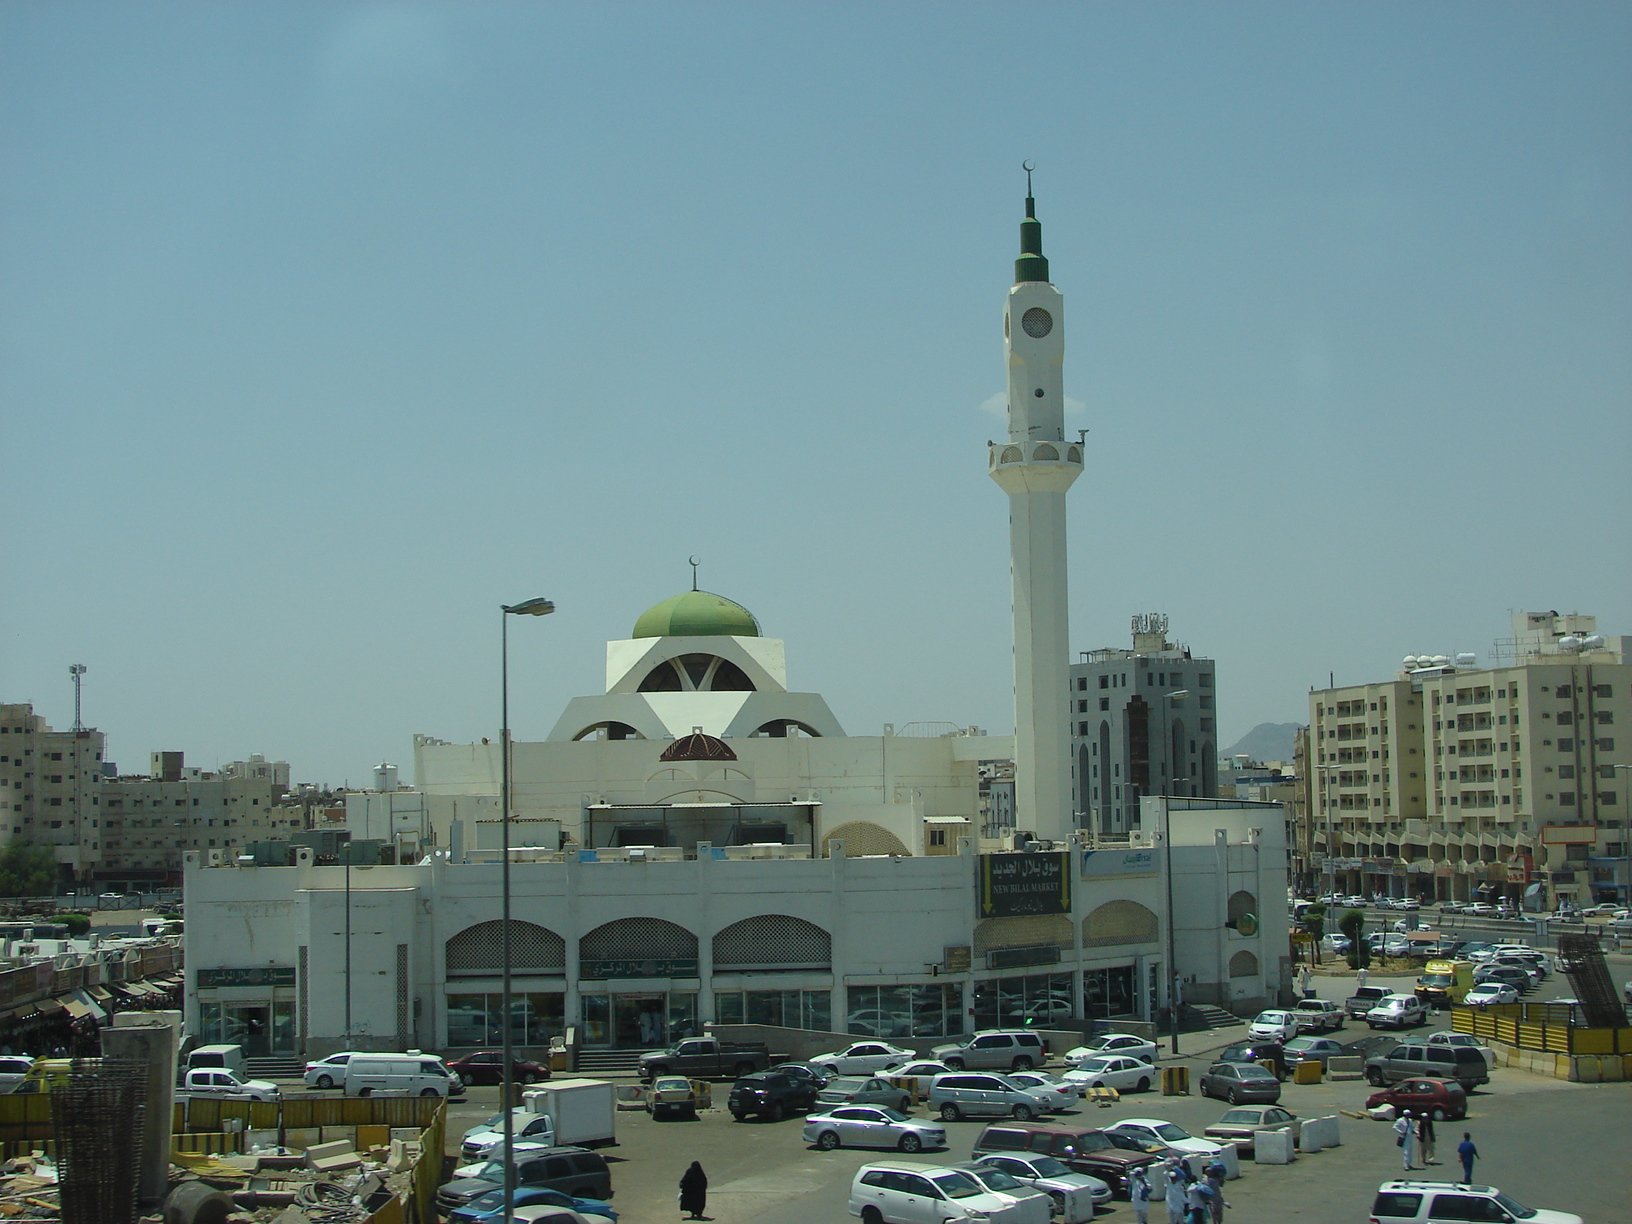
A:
1035, 467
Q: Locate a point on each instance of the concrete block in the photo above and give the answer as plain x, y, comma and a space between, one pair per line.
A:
1309, 1139
1322, 1132
1274, 1148
1345, 1066
1230, 1157
332, 1157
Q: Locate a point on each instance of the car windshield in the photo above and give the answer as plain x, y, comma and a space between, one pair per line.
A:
1513, 1207
894, 1115
1047, 1166
1436, 979
997, 1179
1246, 1116
956, 1185
1170, 1132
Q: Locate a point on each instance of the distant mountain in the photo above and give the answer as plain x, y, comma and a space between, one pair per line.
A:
1265, 742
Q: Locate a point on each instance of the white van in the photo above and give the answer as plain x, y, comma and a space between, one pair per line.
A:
401, 1075
217, 1058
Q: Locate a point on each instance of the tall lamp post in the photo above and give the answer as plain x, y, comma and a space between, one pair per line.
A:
507, 1079
1167, 838
1626, 841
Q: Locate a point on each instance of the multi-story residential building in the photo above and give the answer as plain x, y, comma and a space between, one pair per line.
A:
150, 822
49, 784
1142, 723
258, 768
1460, 782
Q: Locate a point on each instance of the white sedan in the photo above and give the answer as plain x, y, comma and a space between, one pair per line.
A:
872, 1126
1112, 1071
1486, 993
861, 1057
1061, 1093
328, 1072
1274, 1025
924, 1068
1127, 1044
1174, 1138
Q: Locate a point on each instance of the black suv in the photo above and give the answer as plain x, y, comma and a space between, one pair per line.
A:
572, 1170
775, 1094
1272, 1052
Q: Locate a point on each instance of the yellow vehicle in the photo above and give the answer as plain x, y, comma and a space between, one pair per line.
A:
1444, 982
46, 1075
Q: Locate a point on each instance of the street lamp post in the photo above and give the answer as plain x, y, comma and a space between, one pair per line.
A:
1167, 838
1626, 841
507, 1077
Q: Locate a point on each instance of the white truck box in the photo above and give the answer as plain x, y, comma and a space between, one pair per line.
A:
583, 1109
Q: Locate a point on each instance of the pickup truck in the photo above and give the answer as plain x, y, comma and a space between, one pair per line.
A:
706, 1058
217, 1081
1363, 1000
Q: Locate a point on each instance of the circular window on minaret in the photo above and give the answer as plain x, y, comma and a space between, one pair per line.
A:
1037, 322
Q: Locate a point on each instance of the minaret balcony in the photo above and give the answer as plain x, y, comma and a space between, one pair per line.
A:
1001, 455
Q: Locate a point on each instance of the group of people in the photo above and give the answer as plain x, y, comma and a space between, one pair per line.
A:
1190, 1199
1415, 1139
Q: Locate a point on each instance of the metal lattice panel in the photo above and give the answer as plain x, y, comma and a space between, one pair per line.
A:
1119, 922
862, 838
1027, 931
478, 951
402, 996
773, 941
638, 939
96, 1116
1581, 958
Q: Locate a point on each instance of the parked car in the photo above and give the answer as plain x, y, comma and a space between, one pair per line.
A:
1082, 1149
1260, 1052
1318, 1016
487, 1067
14, 1069
1336, 943
903, 1190
480, 1140
1112, 1071
1422, 1202
217, 1081
872, 1126
1464, 1041
1480, 909
860, 1058
1155, 1132
1004, 1049
1509, 975
1438, 1098
863, 1090
1273, 1026
1240, 1082
1412, 1059
671, 1094
1242, 1124
1363, 1000
1487, 993
1075, 1195
1397, 1011
328, 1072
973, 1094
1312, 1049
1062, 1093
1528, 966
772, 1094
925, 1069
806, 1072
1037, 1205
1127, 1044
572, 1170
489, 1208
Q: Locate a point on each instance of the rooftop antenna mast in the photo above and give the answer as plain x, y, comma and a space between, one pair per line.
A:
76, 670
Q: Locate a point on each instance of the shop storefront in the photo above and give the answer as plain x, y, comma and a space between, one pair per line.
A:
254, 1008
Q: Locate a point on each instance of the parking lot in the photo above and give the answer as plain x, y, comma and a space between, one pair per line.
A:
1549, 1143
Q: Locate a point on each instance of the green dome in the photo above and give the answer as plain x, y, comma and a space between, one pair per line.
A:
696, 614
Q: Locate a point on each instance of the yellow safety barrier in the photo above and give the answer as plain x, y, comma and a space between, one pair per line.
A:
1175, 1081
1307, 1073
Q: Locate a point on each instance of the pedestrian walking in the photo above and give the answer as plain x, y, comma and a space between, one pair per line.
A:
1216, 1173
1360, 978
1197, 1202
1139, 1195
1404, 1135
1467, 1152
1425, 1141
1175, 1193
1308, 982
694, 1191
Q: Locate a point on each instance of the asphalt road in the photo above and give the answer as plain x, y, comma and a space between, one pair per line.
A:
1549, 1143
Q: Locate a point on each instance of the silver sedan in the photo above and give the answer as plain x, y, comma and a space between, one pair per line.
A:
874, 1127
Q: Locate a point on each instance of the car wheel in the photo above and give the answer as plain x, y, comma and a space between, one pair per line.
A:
949, 1112
1438, 1114
1022, 1113
1144, 1083
827, 1140
1374, 1077
428, 1092
738, 1116
774, 1113
904, 1105
955, 1063
324, 1081
365, 1092
744, 1068
871, 1215
1022, 1063
1232, 1097
910, 1143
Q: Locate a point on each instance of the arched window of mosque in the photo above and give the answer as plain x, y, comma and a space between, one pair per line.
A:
1045, 451
786, 728
1011, 454
699, 673
1074, 454
610, 731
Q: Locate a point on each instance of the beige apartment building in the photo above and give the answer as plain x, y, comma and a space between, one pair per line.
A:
1453, 781
49, 783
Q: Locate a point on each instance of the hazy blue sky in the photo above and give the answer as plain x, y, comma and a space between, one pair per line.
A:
325, 328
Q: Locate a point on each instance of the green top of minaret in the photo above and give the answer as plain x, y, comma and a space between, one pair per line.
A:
1031, 266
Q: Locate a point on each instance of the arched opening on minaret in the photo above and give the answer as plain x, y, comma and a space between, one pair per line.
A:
696, 673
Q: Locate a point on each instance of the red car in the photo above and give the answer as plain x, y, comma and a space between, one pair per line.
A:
1438, 1098
487, 1067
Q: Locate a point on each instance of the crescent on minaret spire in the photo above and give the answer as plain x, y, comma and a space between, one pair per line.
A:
1031, 266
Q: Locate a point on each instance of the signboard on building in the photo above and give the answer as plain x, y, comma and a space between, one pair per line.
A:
1017, 884
261, 975
956, 959
635, 967
1020, 958
1118, 862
